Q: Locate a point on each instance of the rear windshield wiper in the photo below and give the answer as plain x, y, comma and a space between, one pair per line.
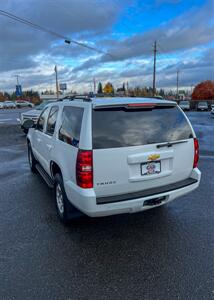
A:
170, 144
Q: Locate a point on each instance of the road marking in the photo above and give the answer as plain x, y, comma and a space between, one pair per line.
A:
4, 120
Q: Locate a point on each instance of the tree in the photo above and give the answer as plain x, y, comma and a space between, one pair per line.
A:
161, 93
100, 88
124, 87
2, 97
108, 88
204, 91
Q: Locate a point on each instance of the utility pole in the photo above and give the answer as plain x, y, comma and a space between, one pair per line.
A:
94, 85
154, 70
177, 84
57, 86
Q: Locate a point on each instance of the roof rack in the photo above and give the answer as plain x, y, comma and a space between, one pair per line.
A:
86, 98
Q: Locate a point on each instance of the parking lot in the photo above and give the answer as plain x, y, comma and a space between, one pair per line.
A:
11, 116
165, 253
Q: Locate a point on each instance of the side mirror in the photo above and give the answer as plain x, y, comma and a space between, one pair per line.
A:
28, 124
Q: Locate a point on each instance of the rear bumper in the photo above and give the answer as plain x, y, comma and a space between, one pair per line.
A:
87, 202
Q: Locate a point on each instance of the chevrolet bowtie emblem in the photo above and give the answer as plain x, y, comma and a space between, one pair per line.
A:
153, 156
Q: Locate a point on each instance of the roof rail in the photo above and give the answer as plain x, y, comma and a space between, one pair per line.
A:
86, 98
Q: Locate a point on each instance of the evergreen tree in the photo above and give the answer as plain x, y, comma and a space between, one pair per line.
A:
100, 88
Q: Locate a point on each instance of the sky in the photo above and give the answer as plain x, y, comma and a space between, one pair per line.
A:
126, 29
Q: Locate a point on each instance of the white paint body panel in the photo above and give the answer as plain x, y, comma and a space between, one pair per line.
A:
119, 166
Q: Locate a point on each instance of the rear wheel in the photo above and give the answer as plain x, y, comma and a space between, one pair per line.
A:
31, 159
63, 206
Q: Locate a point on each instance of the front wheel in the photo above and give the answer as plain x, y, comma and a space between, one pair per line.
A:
31, 159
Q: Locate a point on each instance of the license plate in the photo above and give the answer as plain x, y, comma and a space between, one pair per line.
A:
151, 168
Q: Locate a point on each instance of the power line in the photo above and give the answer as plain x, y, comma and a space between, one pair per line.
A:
41, 28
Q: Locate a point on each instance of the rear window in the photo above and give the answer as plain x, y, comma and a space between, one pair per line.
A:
71, 125
118, 127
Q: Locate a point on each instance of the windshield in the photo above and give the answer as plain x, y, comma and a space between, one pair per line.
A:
184, 102
42, 105
202, 104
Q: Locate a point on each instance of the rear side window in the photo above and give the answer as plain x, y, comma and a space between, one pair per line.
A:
42, 119
52, 120
119, 127
71, 125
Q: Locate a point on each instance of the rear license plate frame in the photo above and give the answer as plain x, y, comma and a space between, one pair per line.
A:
151, 163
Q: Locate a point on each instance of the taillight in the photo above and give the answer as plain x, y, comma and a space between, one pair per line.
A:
84, 169
196, 153
149, 105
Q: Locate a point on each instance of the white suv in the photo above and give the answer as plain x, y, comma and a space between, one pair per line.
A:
114, 155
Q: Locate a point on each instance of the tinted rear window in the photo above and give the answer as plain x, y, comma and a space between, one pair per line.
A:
123, 128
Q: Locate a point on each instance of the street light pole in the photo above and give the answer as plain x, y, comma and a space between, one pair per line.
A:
17, 79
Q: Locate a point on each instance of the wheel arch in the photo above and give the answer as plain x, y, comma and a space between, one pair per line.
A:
55, 169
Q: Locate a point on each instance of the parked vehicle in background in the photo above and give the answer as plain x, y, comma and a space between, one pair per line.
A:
212, 109
185, 105
9, 104
203, 106
1, 105
106, 156
33, 114
23, 103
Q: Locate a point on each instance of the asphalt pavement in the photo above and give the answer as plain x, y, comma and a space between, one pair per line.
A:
11, 116
164, 253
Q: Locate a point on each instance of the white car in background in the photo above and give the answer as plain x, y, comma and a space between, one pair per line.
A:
9, 104
1, 105
23, 103
33, 114
185, 105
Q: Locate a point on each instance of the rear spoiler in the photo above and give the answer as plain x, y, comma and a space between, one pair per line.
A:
135, 105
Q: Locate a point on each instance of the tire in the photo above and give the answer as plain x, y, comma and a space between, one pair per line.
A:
31, 159
63, 206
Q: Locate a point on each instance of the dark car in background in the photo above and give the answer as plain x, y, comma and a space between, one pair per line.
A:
202, 106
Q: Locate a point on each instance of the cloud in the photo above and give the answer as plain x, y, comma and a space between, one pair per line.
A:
20, 43
182, 43
192, 29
